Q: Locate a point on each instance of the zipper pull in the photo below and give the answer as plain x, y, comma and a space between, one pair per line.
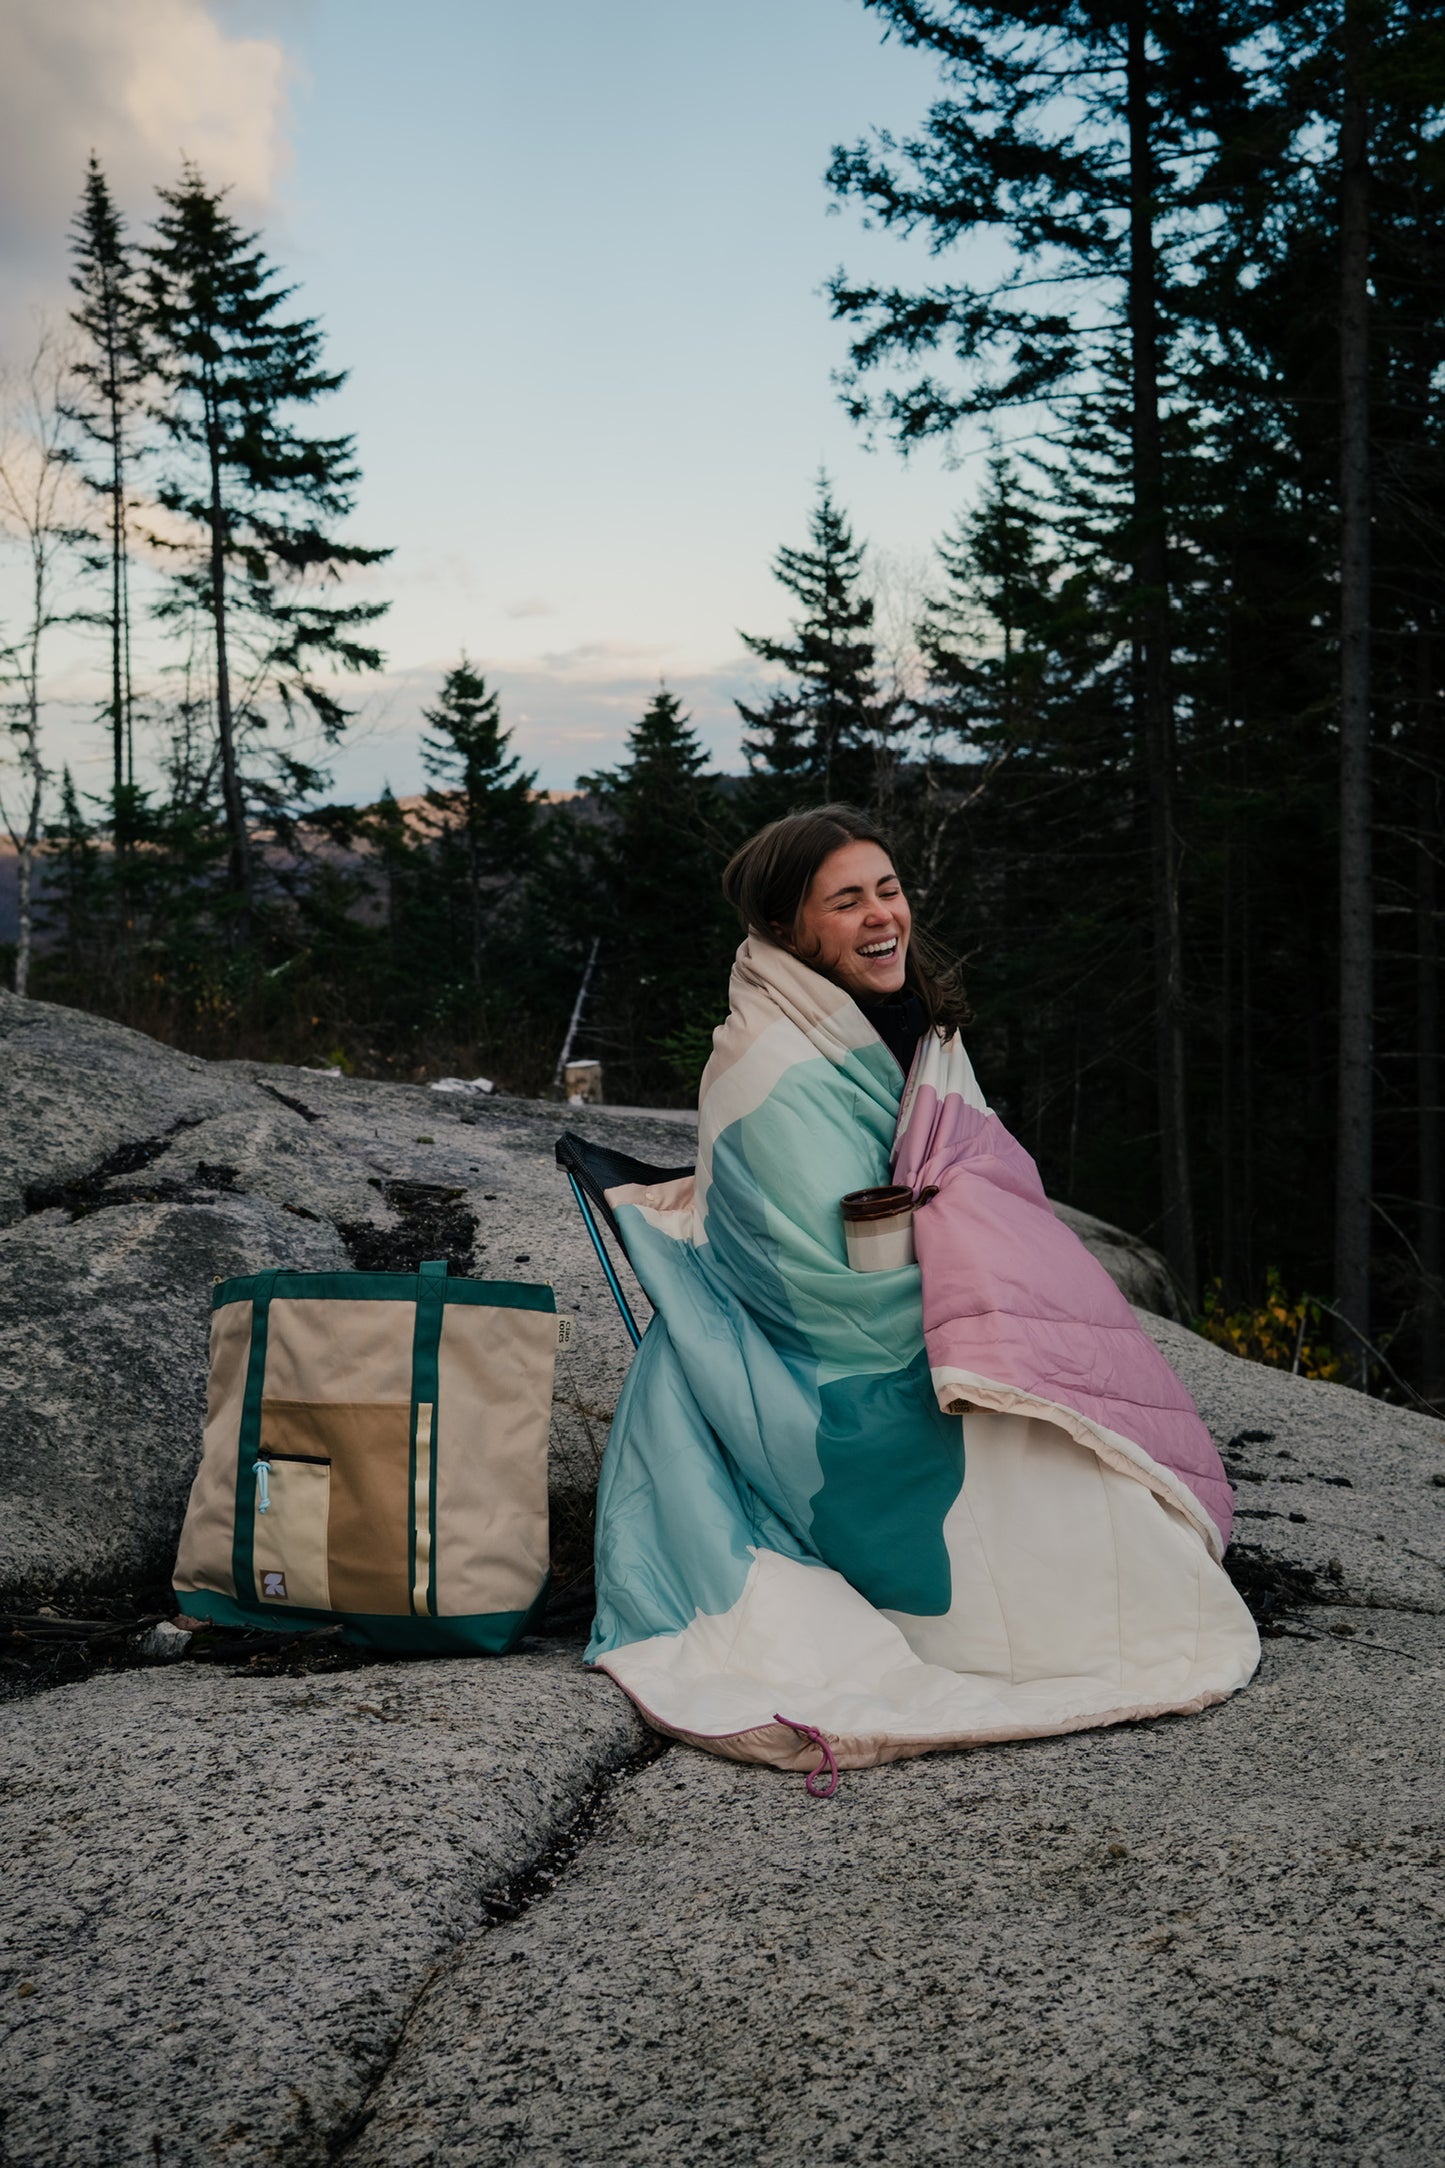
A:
263, 1486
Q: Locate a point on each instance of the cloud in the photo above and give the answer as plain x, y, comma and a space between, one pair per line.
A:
142, 83
531, 606
564, 720
597, 657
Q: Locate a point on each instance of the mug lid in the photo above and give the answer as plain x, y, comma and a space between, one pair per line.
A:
883, 1203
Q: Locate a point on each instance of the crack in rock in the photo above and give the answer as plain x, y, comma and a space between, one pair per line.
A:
307, 1114
82, 1194
500, 1906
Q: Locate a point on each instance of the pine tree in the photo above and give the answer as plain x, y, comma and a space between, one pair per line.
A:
1081, 135
1026, 833
108, 372
667, 936
830, 733
1325, 306
259, 502
1354, 1183
75, 901
481, 799
384, 829
984, 635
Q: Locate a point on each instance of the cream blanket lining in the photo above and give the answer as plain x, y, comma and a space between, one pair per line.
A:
1080, 1597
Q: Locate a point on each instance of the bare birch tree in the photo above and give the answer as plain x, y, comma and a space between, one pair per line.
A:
38, 519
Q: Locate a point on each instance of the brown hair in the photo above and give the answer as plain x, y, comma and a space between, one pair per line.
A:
768, 880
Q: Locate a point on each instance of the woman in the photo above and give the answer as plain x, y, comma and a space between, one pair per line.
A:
851, 1515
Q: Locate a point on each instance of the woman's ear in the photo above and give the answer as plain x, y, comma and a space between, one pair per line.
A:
782, 936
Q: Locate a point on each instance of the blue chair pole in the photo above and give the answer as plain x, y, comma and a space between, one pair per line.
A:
606, 1262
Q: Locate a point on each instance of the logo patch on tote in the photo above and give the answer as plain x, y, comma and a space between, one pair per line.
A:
274, 1584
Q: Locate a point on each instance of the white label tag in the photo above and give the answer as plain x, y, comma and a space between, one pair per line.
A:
274, 1585
564, 1332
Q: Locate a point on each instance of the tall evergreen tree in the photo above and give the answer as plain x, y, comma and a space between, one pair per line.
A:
667, 935
984, 633
1328, 289
1036, 805
1078, 134
830, 733
1354, 1150
385, 830
259, 502
481, 798
1363, 91
108, 372
74, 906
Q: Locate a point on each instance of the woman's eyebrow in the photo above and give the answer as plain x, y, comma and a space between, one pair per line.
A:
855, 888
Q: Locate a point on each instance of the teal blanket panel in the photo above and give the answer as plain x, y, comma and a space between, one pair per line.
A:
779, 1400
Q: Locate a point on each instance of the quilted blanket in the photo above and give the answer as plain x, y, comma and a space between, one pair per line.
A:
870, 1514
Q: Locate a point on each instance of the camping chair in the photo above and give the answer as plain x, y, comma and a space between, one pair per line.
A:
593, 1169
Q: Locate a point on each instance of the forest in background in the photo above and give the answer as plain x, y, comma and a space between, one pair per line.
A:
1160, 743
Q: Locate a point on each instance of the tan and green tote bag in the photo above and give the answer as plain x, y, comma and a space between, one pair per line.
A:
375, 1454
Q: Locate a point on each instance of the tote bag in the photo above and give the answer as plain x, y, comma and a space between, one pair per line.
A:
375, 1454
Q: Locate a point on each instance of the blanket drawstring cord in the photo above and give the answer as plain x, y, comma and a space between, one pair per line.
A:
827, 1766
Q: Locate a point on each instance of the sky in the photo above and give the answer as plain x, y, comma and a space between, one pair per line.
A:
572, 257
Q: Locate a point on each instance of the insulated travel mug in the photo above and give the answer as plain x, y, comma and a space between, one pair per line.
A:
878, 1227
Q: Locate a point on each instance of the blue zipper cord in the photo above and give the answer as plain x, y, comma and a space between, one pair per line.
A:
263, 1486
612, 1280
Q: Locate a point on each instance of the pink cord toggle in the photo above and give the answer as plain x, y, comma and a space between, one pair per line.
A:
828, 1763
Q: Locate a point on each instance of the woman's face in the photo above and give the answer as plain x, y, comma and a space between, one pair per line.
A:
855, 921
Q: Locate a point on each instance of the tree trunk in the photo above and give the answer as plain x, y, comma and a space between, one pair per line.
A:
33, 770
117, 596
1355, 1116
1151, 603
1427, 1039
129, 680
1226, 1267
238, 861
117, 706
474, 883
1244, 1240
24, 862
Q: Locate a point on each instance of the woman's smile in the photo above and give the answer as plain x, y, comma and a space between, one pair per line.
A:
855, 921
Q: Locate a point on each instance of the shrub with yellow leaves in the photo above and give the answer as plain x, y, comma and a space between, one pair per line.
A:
1287, 1332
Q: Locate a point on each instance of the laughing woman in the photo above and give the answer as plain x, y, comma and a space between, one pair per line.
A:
851, 1514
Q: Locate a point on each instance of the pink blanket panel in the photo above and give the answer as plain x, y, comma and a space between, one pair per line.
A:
1012, 1295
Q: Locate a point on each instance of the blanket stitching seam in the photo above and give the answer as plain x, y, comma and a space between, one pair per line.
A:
1118, 1593
988, 1569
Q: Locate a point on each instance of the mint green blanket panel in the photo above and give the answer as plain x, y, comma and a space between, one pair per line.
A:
779, 1400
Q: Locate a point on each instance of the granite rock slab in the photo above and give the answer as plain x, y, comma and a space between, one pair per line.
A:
1137, 1270
335, 1917
104, 1331
75, 1088
132, 1177
223, 1894
1343, 1485
1197, 1940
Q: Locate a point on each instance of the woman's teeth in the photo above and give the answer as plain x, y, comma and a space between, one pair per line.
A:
880, 948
